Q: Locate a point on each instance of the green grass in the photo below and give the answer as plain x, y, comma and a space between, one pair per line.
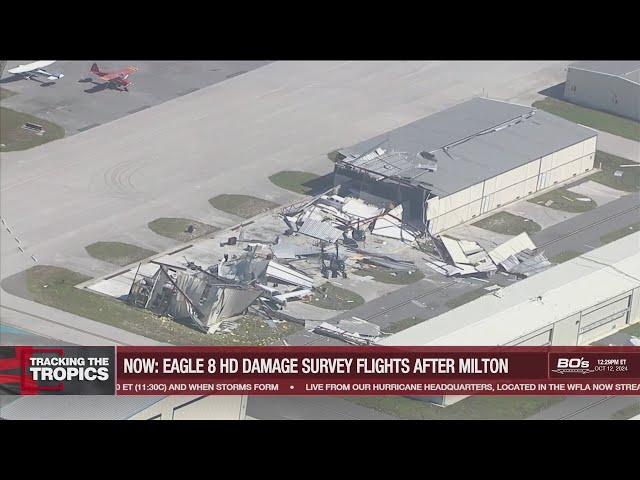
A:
633, 330
593, 118
14, 137
508, 224
118, 253
564, 256
564, 200
402, 324
176, 228
466, 297
626, 412
331, 297
54, 286
384, 275
294, 181
244, 206
617, 234
609, 164
471, 408
4, 93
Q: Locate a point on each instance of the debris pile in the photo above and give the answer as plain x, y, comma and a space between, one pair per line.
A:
517, 256
330, 218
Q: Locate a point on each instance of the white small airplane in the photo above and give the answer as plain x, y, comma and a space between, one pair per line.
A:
36, 68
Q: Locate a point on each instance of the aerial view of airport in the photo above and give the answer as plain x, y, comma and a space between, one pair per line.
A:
320, 203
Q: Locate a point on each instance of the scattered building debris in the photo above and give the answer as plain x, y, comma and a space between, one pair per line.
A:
516, 256
335, 331
512, 247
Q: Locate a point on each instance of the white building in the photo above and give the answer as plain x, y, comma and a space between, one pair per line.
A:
611, 86
574, 303
455, 165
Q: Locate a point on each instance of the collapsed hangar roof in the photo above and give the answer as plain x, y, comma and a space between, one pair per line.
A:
470, 142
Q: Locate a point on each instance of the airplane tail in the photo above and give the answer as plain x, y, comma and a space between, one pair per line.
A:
95, 69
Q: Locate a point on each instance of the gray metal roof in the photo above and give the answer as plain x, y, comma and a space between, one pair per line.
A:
470, 142
612, 67
76, 407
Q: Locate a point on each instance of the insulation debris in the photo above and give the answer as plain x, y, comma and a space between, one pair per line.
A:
390, 225
526, 263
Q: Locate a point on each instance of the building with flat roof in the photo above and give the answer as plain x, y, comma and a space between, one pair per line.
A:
611, 86
574, 303
454, 165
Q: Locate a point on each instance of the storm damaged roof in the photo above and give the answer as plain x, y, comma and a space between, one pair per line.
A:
464, 145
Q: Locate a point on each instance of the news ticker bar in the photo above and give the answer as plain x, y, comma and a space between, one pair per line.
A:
374, 370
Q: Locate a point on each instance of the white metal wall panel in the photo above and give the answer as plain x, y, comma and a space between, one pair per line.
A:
590, 145
546, 163
510, 186
605, 311
597, 331
433, 208
490, 186
510, 194
568, 154
531, 185
539, 339
511, 177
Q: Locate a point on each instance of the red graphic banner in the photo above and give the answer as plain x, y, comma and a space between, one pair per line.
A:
411, 371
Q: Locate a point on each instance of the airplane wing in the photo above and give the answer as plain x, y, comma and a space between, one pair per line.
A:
109, 76
31, 66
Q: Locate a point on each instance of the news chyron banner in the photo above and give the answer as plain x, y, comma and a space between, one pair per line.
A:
374, 370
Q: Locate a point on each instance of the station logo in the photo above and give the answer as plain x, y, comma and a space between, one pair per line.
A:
566, 365
57, 370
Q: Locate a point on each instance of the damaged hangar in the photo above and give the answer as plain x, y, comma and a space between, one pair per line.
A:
457, 164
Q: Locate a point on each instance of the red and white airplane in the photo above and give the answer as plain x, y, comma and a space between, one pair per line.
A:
117, 78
